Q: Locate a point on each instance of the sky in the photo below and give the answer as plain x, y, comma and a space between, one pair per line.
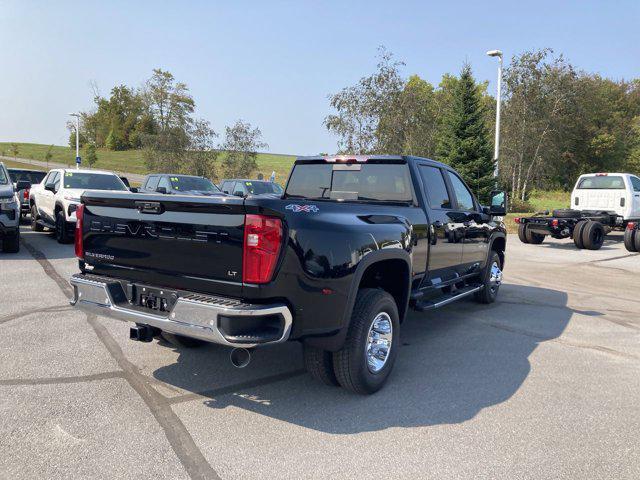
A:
274, 63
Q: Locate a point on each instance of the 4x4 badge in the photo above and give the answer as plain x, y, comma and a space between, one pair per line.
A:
302, 208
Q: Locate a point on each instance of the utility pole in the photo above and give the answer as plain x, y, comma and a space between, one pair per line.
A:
78, 160
496, 149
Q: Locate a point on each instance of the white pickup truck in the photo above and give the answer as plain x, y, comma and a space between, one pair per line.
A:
600, 202
54, 200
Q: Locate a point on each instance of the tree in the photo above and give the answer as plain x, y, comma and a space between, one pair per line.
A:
464, 143
200, 158
539, 92
241, 145
15, 150
169, 101
409, 124
90, 155
48, 155
360, 108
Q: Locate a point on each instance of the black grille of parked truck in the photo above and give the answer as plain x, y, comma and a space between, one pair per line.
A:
335, 262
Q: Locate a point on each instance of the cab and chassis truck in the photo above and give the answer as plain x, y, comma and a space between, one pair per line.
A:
600, 202
335, 263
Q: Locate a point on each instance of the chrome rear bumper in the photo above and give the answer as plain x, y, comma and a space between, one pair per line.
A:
194, 315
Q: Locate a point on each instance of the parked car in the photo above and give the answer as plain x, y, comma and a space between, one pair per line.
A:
54, 201
335, 263
172, 184
600, 202
241, 187
9, 212
31, 177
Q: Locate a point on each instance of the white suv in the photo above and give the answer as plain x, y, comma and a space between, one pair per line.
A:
54, 200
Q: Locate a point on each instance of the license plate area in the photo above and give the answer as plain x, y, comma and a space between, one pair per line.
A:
158, 300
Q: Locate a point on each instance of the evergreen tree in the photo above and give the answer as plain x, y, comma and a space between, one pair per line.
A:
463, 141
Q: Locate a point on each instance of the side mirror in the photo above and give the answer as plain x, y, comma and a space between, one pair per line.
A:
50, 187
498, 207
133, 190
239, 194
162, 190
23, 185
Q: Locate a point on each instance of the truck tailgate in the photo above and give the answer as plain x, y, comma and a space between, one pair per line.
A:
172, 240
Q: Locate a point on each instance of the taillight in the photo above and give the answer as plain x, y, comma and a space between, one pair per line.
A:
78, 241
25, 194
517, 219
554, 222
631, 225
262, 240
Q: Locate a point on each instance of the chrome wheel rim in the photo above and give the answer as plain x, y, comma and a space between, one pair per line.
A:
379, 340
495, 278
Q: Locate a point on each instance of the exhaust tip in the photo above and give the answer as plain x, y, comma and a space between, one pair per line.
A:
240, 357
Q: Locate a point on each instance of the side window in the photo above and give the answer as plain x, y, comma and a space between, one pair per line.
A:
463, 195
635, 182
53, 179
436, 189
227, 186
164, 182
239, 189
152, 183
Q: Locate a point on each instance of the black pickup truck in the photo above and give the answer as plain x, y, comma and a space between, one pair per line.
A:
334, 263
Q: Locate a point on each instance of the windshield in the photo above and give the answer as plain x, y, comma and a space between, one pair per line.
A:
3, 176
258, 187
601, 182
92, 181
26, 176
186, 184
385, 182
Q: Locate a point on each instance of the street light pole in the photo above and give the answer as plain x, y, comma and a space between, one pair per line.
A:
77, 137
496, 150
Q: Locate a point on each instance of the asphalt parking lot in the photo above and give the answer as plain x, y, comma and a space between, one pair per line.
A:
543, 384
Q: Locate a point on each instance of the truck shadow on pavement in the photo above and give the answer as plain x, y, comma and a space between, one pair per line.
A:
454, 363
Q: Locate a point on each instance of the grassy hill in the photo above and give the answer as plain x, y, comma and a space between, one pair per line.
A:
131, 160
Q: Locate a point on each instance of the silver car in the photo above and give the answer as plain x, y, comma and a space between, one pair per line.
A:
9, 213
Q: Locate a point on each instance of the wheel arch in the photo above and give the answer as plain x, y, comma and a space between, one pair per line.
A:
388, 269
499, 245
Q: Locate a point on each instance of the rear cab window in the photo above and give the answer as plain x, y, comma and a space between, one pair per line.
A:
381, 181
601, 182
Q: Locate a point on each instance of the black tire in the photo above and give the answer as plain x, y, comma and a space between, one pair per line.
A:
577, 234
319, 364
350, 364
630, 240
534, 238
567, 213
62, 234
522, 233
181, 341
636, 241
490, 291
35, 226
11, 243
593, 235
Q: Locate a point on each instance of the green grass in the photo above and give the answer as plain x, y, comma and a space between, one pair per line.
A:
542, 200
131, 161
28, 166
